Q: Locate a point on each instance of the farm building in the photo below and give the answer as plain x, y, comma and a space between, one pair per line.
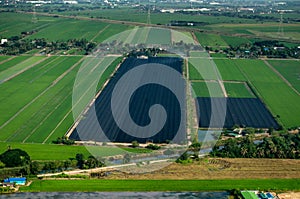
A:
17, 181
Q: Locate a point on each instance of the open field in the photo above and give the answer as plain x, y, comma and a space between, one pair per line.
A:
140, 102
56, 28
6, 64
212, 40
44, 113
234, 41
222, 168
202, 69
238, 90
47, 152
229, 70
289, 69
207, 89
278, 96
159, 185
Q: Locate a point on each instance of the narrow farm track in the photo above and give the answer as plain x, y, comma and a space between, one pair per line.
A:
41, 94
23, 70
6, 60
100, 32
48, 115
281, 76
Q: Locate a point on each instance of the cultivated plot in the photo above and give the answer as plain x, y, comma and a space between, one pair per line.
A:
276, 94
290, 69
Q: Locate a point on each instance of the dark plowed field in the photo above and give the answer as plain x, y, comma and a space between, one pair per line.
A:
104, 127
249, 112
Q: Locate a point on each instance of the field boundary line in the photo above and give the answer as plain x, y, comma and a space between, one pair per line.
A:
8, 59
66, 115
42, 93
23, 70
88, 106
45, 118
100, 32
281, 76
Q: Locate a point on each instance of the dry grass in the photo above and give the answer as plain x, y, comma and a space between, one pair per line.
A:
221, 169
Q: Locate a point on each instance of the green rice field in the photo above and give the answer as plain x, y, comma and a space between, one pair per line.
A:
44, 113
290, 69
238, 90
207, 89
160, 185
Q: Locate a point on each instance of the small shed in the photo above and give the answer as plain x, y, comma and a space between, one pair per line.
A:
17, 181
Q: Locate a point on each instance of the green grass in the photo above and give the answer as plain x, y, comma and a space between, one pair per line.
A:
212, 40
160, 185
207, 89
235, 41
186, 37
39, 151
10, 63
159, 36
290, 69
229, 70
278, 96
27, 87
66, 29
111, 31
202, 69
238, 90
18, 23
198, 54
46, 151
19, 67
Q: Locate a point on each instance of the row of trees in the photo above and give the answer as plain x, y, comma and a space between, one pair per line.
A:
271, 49
280, 146
17, 45
14, 162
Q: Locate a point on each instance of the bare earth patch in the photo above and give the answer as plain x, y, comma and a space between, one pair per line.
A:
221, 168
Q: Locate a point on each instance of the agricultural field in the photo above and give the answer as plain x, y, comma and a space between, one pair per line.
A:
160, 185
57, 29
202, 69
212, 40
44, 113
226, 112
276, 94
207, 89
143, 98
238, 90
290, 70
159, 36
229, 70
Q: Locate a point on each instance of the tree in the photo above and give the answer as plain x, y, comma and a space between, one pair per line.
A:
126, 158
15, 158
80, 160
34, 167
135, 144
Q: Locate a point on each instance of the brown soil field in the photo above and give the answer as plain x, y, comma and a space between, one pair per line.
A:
220, 168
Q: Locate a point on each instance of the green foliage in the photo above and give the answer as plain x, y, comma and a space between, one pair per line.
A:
126, 158
153, 147
281, 146
64, 140
15, 158
135, 144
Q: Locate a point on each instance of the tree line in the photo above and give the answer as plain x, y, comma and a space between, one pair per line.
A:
18, 45
278, 146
